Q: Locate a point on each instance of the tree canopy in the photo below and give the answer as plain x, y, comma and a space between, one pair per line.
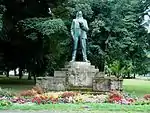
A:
38, 39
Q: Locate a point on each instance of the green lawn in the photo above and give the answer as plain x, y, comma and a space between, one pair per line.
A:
89, 107
16, 85
137, 87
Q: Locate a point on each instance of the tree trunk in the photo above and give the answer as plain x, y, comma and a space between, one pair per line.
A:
7, 73
20, 74
15, 72
34, 76
123, 76
134, 76
29, 76
128, 77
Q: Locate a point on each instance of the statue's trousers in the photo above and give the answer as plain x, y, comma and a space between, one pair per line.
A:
83, 45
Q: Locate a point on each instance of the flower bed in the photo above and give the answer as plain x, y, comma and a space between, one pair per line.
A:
37, 96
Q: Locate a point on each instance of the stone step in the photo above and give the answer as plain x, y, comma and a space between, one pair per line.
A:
100, 74
94, 92
60, 74
64, 69
94, 70
67, 66
76, 64
93, 67
82, 89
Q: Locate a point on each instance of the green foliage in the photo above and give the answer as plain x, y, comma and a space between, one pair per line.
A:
2, 9
5, 103
45, 26
116, 68
6, 93
76, 5
120, 68
37, 35
1, 22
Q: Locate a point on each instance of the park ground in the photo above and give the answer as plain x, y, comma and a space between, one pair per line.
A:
134, 87
63, 112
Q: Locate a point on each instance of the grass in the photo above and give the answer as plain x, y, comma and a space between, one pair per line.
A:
92, 108
16, 85
137, 87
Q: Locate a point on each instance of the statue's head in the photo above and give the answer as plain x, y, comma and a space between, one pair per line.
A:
79, 14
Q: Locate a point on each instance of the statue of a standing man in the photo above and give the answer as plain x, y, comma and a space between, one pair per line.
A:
79, 29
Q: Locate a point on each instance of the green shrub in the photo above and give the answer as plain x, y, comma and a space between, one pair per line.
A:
5, 103
6, 93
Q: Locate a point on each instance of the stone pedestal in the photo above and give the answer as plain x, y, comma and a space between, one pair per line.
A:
80, 75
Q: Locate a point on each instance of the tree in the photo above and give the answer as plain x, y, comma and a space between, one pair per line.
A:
28, 38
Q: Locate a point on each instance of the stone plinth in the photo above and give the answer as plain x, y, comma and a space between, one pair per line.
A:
52, 83
80, 75
105, 84
60, 73
101, 84
116, 84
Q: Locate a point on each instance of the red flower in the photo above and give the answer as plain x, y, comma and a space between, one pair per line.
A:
68, 94
147, 96
130, 100
115, 96
117, 99
37, 100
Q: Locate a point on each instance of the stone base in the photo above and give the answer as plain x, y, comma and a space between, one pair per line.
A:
52, 83
79, 76
105, 84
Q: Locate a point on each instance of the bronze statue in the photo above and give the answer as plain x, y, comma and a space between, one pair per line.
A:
79, 30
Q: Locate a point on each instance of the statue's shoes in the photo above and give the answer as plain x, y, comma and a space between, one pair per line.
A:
72, 61
87, 61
